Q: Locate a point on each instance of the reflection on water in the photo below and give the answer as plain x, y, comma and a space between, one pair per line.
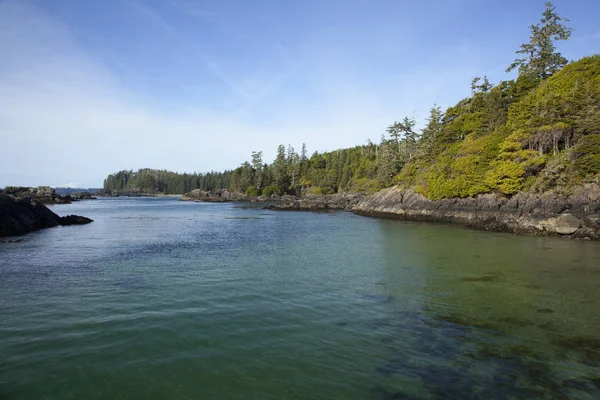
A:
167, 299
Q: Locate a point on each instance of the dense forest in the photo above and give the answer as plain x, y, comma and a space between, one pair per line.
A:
160, 181
538, 132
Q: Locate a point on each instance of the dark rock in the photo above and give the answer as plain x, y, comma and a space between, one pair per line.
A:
210, 197
343, 201
22, 215
74, 220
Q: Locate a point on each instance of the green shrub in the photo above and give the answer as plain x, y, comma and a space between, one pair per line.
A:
364, 185
252, 191
587, 155
505, 175
271, 190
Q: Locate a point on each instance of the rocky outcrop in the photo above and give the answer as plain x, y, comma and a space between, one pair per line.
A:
123, 193
200, 195
219, 196
576, 215
345, 201
74, 220
76, 196
22, 215
44, 194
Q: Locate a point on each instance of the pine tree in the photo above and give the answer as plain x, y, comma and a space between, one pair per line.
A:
540, 58
280, 178
433, 127
257, 167
410, 136
387, 162
395, 131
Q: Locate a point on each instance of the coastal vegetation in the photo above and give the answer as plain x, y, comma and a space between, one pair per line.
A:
536, 133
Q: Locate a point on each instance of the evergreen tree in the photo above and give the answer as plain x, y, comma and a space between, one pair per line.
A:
483, 87
410, 136
293, 168
280, 178
257, 165
387, 162
540, 58
433, 127
395, 130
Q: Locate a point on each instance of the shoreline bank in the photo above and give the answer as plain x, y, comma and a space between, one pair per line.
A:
573, 216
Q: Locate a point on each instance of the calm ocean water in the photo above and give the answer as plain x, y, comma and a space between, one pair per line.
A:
162, 299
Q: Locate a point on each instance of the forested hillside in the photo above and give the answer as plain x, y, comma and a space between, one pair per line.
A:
539, 132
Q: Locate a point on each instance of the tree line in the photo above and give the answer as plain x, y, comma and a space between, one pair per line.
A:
153, 181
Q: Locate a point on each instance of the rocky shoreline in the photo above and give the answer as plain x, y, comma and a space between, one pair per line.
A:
124, 193
576, 215
223, 196
342, 201
45, 194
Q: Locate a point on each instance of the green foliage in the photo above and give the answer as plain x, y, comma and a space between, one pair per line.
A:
271, 190
505, 175
252, 191
388, 161
587, 155
568, 96
508, 139
460, 169
365, 185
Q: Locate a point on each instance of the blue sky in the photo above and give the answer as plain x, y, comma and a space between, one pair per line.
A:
88, 88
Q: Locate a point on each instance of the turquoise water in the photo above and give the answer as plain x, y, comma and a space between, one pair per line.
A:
161, 299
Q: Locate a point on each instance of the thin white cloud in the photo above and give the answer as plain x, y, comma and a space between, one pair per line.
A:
258, 91
150, 14
213, 66
193, 9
